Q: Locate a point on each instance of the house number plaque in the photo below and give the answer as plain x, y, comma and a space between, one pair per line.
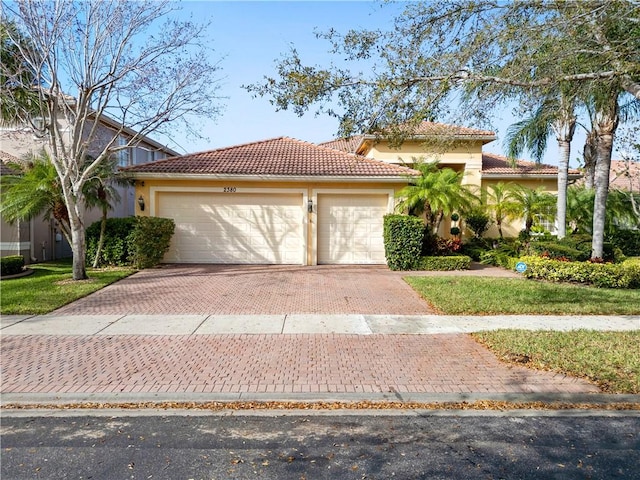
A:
229, 189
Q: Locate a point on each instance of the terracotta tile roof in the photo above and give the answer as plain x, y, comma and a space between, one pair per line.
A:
493, 164
621, 178
347, 145
445, 129
282, 156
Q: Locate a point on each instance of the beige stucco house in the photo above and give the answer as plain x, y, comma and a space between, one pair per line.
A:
40, 239
285, 201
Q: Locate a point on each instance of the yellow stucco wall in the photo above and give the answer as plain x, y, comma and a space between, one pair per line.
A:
511, 228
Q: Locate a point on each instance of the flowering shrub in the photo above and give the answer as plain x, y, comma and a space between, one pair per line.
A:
604, 275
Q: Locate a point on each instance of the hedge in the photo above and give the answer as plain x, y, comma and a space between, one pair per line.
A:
137, 241
403, 237
452, 262
11, 265
116, 249
559, 250
151, 239
604, 275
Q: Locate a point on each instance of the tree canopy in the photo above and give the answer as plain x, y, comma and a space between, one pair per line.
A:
483, 51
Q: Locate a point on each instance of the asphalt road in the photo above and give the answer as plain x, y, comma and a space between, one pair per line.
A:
406, 446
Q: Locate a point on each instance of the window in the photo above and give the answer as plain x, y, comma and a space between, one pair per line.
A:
124, 155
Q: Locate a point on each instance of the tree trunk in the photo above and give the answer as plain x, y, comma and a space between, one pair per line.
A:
605, 130
103, 229
563, 177
78, 243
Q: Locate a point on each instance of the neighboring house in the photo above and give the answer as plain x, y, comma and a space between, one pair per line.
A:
625, 175
14, 239
40, 239
285, 201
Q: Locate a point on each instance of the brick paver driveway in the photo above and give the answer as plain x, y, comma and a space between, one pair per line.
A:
255, 290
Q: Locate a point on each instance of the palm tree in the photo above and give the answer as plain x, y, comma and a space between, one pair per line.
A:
100, 192
531, 205
496, 198
34, 191
555, 115
436, 193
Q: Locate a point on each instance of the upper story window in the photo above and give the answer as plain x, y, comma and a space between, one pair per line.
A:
124, 155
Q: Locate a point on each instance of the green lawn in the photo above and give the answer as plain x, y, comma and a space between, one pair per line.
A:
50, 287
494, 296
609, 359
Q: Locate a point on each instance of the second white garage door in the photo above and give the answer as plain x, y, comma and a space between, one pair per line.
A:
350, 228
234, 228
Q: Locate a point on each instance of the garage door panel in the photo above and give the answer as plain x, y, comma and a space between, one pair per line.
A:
350, 228
222, 228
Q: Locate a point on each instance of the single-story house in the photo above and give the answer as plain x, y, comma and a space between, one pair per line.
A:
286, 201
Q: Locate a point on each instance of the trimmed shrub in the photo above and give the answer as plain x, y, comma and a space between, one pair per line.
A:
604, 275
557, 250
11, 265
403, 238
452, 262
116, 249
150, 240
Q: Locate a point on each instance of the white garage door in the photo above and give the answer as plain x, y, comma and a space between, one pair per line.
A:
234, 228
350, 228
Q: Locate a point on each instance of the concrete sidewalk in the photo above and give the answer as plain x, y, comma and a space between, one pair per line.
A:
301, 324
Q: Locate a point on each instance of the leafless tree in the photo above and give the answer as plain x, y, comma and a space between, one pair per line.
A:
134, 62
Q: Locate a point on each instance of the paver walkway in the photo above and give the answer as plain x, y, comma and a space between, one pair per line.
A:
302, 363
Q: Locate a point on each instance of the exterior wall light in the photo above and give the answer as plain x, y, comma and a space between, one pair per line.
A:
141, 203
310, 206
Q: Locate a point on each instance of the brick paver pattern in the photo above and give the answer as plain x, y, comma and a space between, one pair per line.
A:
255, 290
299, 363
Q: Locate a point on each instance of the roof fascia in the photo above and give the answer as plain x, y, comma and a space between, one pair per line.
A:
483, 138
572, 176
272, 178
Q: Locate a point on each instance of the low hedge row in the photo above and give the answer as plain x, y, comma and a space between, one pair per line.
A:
604, 275
452, 262
11, 265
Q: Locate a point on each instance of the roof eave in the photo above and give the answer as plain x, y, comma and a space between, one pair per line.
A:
571, 176
273, 178
482, 138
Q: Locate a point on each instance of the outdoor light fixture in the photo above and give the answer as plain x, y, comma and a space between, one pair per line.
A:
310, 206
141, 203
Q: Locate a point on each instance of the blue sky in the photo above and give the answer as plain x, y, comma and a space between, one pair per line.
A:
248, 37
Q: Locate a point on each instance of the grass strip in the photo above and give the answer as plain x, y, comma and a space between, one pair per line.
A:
512, 296
611, 360
51, 286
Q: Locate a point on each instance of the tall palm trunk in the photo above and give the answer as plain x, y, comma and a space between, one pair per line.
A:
564, 126
605, 127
